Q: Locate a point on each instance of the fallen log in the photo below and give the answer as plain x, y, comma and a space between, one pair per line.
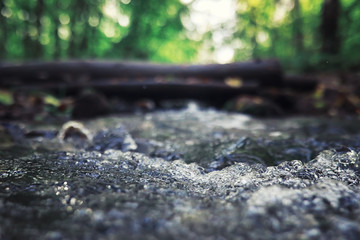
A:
265, 72
133, 88
215, 82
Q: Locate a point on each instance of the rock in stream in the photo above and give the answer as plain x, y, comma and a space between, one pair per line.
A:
185, 174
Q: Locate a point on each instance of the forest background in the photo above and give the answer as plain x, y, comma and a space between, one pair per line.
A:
305, 35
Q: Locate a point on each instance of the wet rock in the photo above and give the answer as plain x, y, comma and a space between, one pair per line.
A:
76, 134
149, 177
104, 197
90, 105
14, 131
41, 134
255, 106
145, 105
73, 129
117, 138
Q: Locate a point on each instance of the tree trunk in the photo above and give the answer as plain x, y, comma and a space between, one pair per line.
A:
297, 27
39, 10
255, 45
329, 27
3, 33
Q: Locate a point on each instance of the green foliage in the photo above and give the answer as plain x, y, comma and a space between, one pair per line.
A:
5, 97
288, 30
156, 32
60, 29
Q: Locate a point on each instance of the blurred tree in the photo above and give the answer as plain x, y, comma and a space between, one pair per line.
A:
300, 33
156, 32
39, 12
329, 27
303, 34
3, 30
297, 28
52, 29
349, 33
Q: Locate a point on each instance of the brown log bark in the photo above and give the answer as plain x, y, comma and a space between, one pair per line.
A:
265, 72
139, 80
132, 88
211, 90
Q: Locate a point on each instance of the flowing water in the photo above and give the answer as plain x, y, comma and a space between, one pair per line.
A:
186, 174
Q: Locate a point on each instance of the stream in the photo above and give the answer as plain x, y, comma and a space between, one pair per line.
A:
181, 174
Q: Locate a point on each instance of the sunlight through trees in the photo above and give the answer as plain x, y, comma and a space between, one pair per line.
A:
303, 34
